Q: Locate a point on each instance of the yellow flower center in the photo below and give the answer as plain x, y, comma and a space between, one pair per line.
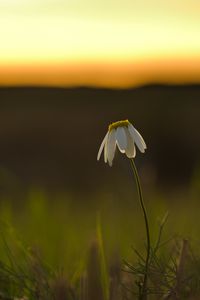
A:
115, 125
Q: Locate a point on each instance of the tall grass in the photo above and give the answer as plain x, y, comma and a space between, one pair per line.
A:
58, 250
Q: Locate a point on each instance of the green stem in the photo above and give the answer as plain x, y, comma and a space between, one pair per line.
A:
139, 189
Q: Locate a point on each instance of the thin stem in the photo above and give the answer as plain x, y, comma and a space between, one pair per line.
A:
139, 189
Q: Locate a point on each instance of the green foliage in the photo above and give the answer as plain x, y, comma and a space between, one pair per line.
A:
58, 249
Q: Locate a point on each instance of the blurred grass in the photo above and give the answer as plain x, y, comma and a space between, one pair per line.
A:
76, 244
62, 228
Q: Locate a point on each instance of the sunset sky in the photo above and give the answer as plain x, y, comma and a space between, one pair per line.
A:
100, 43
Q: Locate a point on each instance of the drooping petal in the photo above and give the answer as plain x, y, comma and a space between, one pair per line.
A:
102, 146
111, 146
106, 148
130, 149
121, 139
139, 141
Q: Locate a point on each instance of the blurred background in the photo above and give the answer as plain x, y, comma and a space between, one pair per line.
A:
69, 69
50, 137
52, 186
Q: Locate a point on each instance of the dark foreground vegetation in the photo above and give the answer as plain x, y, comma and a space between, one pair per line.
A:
172, 275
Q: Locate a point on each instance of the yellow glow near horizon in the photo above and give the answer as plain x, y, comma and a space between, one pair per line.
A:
67, 40
53, 34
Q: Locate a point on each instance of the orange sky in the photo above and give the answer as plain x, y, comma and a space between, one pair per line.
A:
108, 43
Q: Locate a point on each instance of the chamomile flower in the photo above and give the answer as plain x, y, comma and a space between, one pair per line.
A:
123, 135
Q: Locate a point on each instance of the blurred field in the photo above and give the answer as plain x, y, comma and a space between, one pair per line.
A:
62, 227
62, 230
48, 136
53, 190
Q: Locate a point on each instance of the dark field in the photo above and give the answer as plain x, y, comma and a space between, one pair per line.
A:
61, 208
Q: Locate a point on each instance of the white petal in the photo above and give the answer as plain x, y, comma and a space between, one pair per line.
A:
130, 149
121, 139
111, 146
137, 138
102, 145
106, 148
